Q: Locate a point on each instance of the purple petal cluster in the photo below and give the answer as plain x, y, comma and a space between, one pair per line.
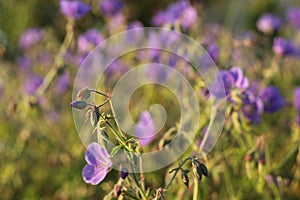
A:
30, 37
88, 40
272, 99
145, 129
74, 9
98, 164
252, 107
293, 16
268, 23
182, 12
110, 8
283, 47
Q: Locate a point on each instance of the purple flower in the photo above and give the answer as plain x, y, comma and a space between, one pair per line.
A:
98, 164
213, 51
156, 73
145, 129
268, 23
88, 40
297, 98
111, 7
25, 62
63, 83
32, 84
293, 16
228, 81
252, 107
30, 37
283, 47
272, 99
74, 9
239, 80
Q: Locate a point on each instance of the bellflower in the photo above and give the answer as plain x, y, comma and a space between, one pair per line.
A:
297, 98
111, 7
98, 164
293, 16
88, 40
268, 23
145, 129
283, 47
74, 9
30, 37
272, 99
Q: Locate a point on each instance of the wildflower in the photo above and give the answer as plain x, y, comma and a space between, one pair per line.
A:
74, 9
239, 80
272, 99
283, 47
30, 37
213, 51
62, 83
88, 40
110, 7
293, 16
225, 78
145, 129
268, 23
98, 164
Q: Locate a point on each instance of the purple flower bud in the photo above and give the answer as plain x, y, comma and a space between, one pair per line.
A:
145, 129
30, 37
268, 23
80, 105
293, 16
297, 98
124, 173
32, 84
74, 9
283, 47
84, 93
88, 40
272, 99
110, 7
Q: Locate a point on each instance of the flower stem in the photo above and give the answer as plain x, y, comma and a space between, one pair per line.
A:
196, 185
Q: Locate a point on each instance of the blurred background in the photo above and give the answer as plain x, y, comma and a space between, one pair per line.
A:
41, 154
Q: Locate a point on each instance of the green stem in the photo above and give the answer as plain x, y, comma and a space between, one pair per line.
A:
137, 184
196, 185
176, 171
102, 94
58, 61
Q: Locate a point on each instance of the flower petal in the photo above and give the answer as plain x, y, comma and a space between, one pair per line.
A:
96, 155
93, 175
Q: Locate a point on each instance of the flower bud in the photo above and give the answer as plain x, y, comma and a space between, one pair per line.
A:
124, 173
204, 170
80, 105
185, 178
117, 190
197, 170
84, 93
261, 158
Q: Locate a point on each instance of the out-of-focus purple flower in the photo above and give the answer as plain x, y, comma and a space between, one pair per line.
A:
32, 84
283, 47
272, 99
181, 11
24, 62
98, 164
116, 68
111, 7
74, 9
239, 80
63, 83
213, 51
156, 73
222, 78
252, 107
207, 142
268, 23
88, 40
293, 16
145, 129
297, 98
30, 37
